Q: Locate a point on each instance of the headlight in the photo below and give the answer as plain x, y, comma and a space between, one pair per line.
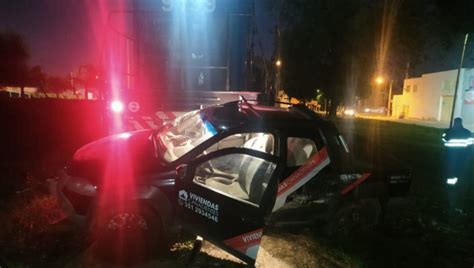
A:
349, 112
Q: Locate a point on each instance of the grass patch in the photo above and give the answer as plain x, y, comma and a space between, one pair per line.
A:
422, 233
34, 231
417, 147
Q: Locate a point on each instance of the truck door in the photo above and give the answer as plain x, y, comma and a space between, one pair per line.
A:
225, 196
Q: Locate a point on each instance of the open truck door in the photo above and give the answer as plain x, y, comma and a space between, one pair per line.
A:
225, 197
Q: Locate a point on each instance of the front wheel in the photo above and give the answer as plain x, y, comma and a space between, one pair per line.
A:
129, 235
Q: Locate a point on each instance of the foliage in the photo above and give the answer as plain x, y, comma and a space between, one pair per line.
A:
35, 215
36, 77
46, 83
14, 56
57, 84
14, 69
91, 76
326, 44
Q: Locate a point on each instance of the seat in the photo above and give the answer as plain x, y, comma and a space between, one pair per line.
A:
299, 151
249, 184
233, 188
240, 187
262, 143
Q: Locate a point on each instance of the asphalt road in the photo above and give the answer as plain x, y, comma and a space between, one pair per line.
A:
413, 121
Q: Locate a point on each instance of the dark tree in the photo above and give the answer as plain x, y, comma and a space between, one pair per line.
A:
327, 45
57, 84
13, 56
91, 77
36, 77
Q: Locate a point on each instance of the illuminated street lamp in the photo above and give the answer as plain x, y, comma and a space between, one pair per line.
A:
379, 80
277, 76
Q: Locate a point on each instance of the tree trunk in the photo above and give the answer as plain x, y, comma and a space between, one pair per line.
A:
333, 108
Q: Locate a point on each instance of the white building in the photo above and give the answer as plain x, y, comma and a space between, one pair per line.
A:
15, 92
431, 97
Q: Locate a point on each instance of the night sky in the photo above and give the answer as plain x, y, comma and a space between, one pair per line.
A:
63, 34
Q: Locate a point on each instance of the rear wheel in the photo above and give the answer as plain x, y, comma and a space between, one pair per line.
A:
354, 217
129, 235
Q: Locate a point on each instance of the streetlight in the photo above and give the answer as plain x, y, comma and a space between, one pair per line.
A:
277, 76
379, 80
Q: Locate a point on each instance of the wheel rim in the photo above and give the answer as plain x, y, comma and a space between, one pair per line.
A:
127, 221
348, 221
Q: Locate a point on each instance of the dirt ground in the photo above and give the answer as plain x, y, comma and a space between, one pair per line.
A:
415, 234
277, 250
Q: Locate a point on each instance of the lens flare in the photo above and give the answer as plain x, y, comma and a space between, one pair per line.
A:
116, 106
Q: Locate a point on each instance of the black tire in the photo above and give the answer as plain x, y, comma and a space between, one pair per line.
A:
129, 235
354, 217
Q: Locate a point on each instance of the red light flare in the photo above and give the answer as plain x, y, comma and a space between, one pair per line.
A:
118, 178
116, 193
118, 182
116, 106
106, 21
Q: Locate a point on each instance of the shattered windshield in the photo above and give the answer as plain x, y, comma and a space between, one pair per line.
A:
184, 134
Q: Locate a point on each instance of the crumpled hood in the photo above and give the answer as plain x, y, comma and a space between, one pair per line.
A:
127, 142
132, 149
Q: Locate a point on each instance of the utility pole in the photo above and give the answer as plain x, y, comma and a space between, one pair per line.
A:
457, 79
277, 51
72, 84
407, 71
389, 102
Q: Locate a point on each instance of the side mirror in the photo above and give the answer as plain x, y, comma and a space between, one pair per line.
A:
182, 171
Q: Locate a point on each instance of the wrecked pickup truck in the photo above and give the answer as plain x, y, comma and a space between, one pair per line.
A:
223, 173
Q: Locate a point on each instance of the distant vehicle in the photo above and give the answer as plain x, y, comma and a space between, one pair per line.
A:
375, 110
223, 173
349, 112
